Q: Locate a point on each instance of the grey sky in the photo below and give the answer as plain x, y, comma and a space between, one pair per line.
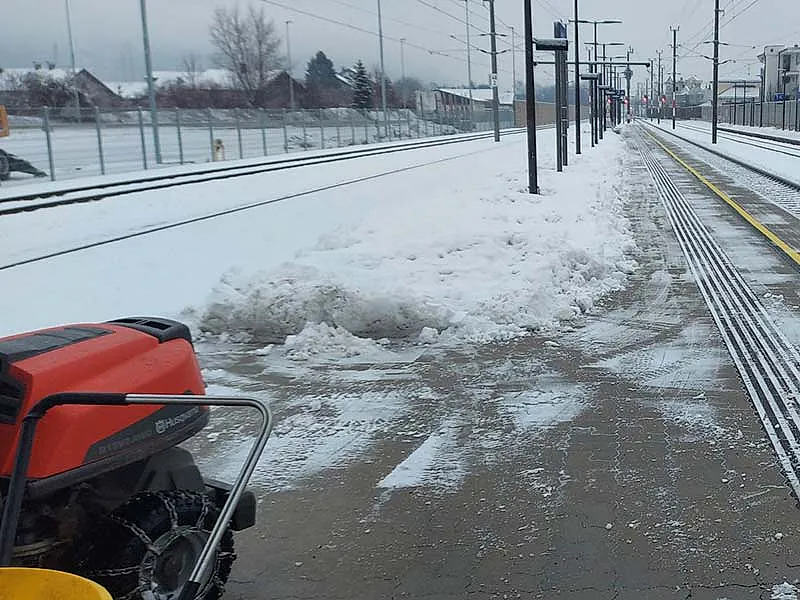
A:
108, 33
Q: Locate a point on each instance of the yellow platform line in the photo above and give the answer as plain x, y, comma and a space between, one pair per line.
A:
765, 231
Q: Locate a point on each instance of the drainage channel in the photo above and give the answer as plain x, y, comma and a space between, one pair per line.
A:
766, 361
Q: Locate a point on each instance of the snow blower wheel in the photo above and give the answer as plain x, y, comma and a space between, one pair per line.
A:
5, 168
151, 545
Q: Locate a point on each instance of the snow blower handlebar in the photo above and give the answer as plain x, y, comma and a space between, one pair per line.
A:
16, 489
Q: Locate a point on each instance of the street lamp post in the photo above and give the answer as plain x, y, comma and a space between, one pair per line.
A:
151, 91
403, 70
577, 67
75, 94
513, 63
469, 66
383, 72
289, 60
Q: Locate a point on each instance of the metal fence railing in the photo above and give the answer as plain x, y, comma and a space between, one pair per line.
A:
782, 115
117, 141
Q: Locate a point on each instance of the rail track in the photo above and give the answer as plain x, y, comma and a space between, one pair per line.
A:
768, 363
90, 193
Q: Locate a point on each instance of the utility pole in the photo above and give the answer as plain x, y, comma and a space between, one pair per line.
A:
469, 67
403, 68
493, 76
530, 101
674, 70
715, 84
513, 63
383, 72
75, 94
151, 88
652, 95
289, 60
577, 86
660, 88
628, 75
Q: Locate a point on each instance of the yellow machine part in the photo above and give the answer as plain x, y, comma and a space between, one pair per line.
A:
42, 584
4, 130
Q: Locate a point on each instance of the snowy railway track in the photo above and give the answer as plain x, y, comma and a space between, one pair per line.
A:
779, 190
90, 193
736, 136
761, 136
766, 361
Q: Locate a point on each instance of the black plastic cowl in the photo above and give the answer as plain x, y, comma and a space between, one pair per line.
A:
162, 329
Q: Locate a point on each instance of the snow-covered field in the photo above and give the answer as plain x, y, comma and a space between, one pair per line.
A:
452, 250
76, 150
780, 164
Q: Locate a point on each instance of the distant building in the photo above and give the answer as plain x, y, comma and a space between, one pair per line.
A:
739, 90
214, 84
780, 70
15, 86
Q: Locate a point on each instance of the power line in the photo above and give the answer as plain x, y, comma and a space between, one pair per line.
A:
366, 31
451, 15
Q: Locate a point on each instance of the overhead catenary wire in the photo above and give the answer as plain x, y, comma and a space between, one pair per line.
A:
366, 31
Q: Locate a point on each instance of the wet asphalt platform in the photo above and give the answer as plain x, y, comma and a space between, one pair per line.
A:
656, 482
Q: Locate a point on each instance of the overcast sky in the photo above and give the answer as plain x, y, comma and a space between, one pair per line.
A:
108, 33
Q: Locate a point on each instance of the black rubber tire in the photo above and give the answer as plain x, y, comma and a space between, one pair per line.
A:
117, 555
5, 170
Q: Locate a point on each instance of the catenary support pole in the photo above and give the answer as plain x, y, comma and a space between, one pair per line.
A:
715, 82
577, 86
383, 72
674, 72
530, 101
493, 76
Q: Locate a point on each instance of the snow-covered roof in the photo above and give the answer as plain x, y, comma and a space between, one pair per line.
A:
213, 77
9, 77
479, 95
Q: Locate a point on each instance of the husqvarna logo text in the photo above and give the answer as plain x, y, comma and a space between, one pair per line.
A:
164, 425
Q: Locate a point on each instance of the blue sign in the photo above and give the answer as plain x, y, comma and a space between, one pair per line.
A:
779, 96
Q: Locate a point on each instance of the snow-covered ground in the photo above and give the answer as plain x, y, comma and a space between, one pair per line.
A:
785, 165
447, 248
76, 150
771, 131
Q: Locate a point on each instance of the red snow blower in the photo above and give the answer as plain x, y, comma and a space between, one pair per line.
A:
92, 480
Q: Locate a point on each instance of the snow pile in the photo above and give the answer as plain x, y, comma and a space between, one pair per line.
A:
485, 261
784, 591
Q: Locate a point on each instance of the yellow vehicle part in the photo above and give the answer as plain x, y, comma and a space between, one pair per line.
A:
4, 130
42, 584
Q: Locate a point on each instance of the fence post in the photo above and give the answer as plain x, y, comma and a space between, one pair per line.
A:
263, 118
353, 127
50, 157
210, 133
305, 135
285, 133
180, 134
99, 140
238, 132
141, 137
338, 130
322, 129
387, 118
366, 128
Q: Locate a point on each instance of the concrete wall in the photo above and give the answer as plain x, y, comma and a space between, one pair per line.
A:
545, 113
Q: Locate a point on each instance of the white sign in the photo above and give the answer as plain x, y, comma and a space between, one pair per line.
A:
493, 80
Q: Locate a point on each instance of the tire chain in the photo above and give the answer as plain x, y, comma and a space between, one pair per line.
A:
135, 594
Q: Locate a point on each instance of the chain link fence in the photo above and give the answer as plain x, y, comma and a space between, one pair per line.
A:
116, 141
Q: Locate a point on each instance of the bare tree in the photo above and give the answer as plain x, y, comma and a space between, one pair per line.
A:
191, 70
247, 46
